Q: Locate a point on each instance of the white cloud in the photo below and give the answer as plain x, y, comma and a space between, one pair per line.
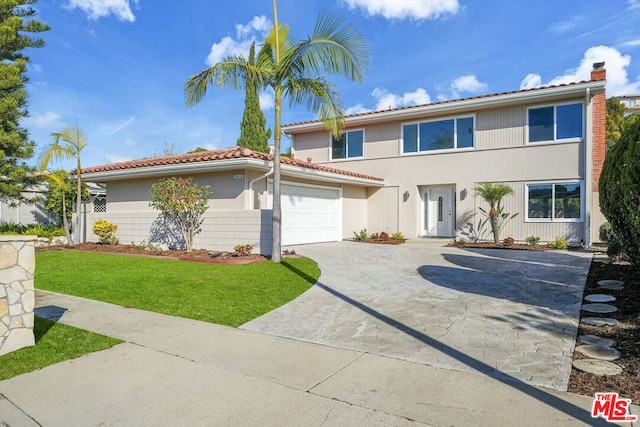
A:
260, 24
102, 8
631, 43
50, 119
402, 9
121, 126
566, 26
245, 35
116, 158
356, 109
468, 84
267, 101
530, 81
389, 100
616, 65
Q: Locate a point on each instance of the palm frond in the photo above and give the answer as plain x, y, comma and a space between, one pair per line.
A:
319, 96
334, 48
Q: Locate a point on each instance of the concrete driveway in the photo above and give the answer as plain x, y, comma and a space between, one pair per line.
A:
508, 314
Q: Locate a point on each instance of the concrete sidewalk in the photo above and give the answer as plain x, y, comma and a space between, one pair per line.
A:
174, 371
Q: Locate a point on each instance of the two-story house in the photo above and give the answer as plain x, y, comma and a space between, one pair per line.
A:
410, 169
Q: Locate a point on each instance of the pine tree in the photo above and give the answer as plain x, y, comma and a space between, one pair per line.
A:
15, 146
253, 134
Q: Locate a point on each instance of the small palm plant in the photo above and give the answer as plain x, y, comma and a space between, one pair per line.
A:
493, 195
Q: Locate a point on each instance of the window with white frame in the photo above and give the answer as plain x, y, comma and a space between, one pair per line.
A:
554, 201
555, 122
448, 134
350, 145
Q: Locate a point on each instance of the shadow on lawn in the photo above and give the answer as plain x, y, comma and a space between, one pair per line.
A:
45, 318
536, 393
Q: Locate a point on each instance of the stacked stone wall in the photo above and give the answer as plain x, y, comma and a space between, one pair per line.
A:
17, 295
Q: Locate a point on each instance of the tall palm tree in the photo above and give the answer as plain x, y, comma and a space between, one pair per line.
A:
493, 195
67, 144
296, 72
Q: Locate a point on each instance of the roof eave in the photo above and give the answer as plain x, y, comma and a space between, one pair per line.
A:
479, 102
221, 165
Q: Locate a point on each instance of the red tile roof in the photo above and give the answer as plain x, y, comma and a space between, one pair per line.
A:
219, 155
368, 113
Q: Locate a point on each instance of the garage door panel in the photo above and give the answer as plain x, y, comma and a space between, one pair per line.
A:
309, 214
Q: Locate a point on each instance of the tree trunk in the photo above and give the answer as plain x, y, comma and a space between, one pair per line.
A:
76, 234
276, 213
493, 220
65, 222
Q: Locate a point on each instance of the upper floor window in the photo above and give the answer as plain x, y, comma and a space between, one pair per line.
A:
446, 134
350, 144
555, 122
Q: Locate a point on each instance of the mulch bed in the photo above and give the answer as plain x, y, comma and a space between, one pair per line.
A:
196, 255
626, 334
491, 245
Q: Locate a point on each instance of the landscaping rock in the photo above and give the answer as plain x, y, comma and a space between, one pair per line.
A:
157, 246
597, 367
599, 308
600, 321
599, 352
613, 285
59, 240
594, 340
599, 298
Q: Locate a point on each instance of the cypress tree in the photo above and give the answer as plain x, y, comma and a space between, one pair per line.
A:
619, 188
253, 134
15, 146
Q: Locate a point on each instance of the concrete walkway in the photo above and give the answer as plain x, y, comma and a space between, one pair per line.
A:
180, 372
511, 314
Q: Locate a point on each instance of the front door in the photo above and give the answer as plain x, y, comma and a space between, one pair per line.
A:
438, 211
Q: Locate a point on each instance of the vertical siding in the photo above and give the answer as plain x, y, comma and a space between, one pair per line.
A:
382, 140
382, 210
315, 145
501, 128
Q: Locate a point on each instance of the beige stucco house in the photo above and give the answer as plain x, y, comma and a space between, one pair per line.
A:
408, 169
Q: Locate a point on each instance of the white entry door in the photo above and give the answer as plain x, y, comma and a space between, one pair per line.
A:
438, 211
310, 214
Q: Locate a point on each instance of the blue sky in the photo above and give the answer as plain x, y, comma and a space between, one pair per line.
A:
118, 67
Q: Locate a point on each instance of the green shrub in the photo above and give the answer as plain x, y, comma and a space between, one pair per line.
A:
243, 249
559, 243
605, 232
360, 236
10, 227
620, 192
397, 236
532, 240
105, 231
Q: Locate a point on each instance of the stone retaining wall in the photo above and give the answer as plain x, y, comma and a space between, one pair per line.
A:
17, 296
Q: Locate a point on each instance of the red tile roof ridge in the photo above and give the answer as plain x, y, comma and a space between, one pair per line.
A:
217, 155
366, 113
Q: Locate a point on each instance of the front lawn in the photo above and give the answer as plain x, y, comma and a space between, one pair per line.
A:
224, 294
55, 342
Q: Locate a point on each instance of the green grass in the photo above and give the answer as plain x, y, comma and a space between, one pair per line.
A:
224, 294
55, 342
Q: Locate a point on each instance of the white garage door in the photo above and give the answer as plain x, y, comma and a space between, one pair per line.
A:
310, 214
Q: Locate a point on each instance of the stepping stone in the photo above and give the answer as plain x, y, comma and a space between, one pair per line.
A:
613, 285
599, 352
594, 340
599, 321
599, 298
597, 367
599, 308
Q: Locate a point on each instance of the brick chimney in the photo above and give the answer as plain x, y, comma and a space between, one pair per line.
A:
599, 122
598, 72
